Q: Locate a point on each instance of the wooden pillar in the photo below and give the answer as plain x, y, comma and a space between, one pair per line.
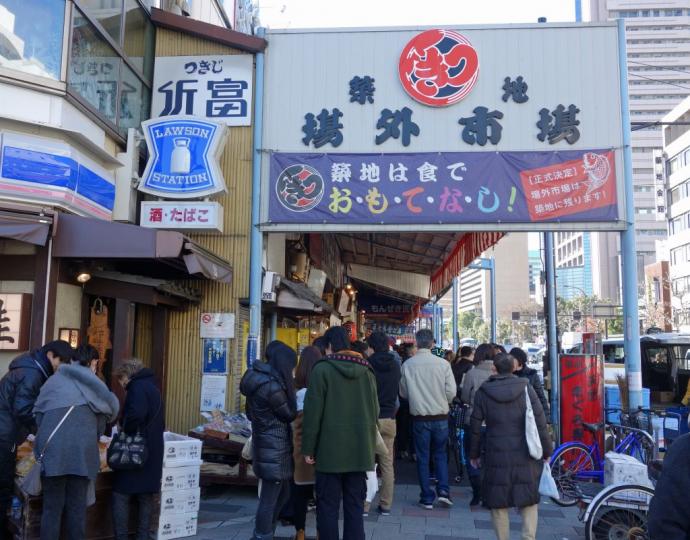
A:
45, 284
122, 338
159, 352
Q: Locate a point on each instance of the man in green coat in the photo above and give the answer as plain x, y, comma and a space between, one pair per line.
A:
339, 434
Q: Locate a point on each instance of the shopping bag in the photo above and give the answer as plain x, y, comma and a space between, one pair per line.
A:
547, 485
372, 484
531, 431
31, 483
248, 450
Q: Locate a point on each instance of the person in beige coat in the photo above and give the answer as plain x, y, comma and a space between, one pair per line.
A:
305, 475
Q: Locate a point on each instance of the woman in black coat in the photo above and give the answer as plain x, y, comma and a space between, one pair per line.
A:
510, 477
271, 407
142, 412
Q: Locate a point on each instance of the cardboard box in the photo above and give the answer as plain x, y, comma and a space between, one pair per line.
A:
181, 451
663, 397
177, 526
184, 501
177, 478
624, 469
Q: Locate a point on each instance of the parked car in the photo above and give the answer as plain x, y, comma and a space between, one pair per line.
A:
665, 363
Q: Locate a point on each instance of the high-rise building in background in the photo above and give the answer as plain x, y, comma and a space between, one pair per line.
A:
658, 46
512, 280
535, 270
676, 165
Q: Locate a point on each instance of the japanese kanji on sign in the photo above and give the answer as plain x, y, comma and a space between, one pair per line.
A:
215, 87
443, 129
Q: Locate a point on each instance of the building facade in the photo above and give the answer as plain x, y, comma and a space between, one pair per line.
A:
78, 79
658, 46
676, 165
513, 269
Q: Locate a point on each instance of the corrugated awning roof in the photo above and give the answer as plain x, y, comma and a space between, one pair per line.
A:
440, 256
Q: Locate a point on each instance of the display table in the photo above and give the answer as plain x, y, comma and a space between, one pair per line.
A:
223, 463
99, 522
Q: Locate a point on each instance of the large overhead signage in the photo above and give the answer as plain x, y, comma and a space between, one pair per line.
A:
433, 188
389, 127
215, 87
183, 160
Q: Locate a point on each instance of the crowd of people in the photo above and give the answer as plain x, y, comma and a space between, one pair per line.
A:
322, 423
54, 393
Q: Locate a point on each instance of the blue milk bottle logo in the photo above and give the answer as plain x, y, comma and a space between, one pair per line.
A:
183, 160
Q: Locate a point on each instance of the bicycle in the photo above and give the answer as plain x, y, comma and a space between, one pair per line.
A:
575, 462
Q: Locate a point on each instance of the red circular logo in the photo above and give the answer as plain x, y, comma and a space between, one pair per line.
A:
438, 67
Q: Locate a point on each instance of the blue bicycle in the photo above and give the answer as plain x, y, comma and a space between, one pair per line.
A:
575, 462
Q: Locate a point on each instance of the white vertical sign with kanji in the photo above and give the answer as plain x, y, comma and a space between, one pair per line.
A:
215, 87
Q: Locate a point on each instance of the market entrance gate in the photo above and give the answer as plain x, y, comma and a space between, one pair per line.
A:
462, 135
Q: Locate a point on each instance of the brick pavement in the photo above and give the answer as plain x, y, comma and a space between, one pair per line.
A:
228, 513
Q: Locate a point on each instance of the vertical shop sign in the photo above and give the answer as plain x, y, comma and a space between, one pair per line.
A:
98, 332
215, 87
582, 396
215, 356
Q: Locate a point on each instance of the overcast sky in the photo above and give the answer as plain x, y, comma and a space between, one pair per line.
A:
340, 13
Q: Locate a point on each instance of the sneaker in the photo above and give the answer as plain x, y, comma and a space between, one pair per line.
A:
384, 511
444, 500
426, 506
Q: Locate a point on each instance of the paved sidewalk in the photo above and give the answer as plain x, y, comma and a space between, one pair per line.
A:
228, 513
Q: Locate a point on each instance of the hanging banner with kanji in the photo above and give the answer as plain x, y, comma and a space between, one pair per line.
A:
443, 187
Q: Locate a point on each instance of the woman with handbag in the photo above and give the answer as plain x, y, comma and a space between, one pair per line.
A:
511, 474
139, 478
271, 407
71, 412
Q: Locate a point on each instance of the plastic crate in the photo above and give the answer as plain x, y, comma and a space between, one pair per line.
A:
612, 397
676, 424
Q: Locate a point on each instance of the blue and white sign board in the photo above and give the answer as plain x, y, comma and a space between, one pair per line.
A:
183, 157
52, 172
215, 87
215, 356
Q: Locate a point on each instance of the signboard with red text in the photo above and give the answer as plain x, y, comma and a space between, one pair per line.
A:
194, 215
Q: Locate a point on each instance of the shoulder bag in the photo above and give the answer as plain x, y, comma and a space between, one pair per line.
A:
31, 483
128, 452
531, 431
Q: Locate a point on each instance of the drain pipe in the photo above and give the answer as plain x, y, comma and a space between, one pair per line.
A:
256, 236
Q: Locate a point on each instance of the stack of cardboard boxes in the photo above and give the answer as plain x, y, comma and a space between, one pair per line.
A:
180, 492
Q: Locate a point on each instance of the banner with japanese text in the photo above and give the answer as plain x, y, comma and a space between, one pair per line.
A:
443, 187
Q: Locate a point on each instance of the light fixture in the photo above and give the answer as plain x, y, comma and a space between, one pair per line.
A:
83, 276
348, 286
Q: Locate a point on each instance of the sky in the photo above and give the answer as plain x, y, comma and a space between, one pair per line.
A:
344, 13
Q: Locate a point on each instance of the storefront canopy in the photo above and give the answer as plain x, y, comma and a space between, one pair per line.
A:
137, 250
25, 227
297, 296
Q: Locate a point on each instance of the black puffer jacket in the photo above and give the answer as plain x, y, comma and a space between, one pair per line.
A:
19, 389
669, 518
532, 375
387, 371
271, 413
510, 476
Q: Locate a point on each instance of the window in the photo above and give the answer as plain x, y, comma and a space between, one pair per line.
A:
111, 60
32, 36
94, 68
108, 13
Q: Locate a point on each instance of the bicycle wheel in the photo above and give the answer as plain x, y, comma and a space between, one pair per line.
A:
567, 466
620, 514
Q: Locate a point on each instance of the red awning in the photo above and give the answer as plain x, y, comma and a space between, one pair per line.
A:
469, 247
